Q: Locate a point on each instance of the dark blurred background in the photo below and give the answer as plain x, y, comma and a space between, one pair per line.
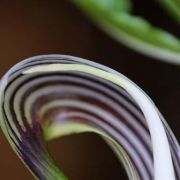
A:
35, 27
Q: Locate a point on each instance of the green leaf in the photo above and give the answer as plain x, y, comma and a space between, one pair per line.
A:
113, 16
173, 6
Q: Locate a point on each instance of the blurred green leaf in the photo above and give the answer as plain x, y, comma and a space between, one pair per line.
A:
173, 6
114, 17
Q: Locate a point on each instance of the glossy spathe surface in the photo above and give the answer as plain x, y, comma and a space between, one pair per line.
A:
50, 93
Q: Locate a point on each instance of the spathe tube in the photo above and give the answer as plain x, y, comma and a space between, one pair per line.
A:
45, 97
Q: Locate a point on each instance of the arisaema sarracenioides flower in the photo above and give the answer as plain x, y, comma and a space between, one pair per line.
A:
46, 97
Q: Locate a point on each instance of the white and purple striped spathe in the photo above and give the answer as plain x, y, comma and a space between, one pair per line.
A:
49, 96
